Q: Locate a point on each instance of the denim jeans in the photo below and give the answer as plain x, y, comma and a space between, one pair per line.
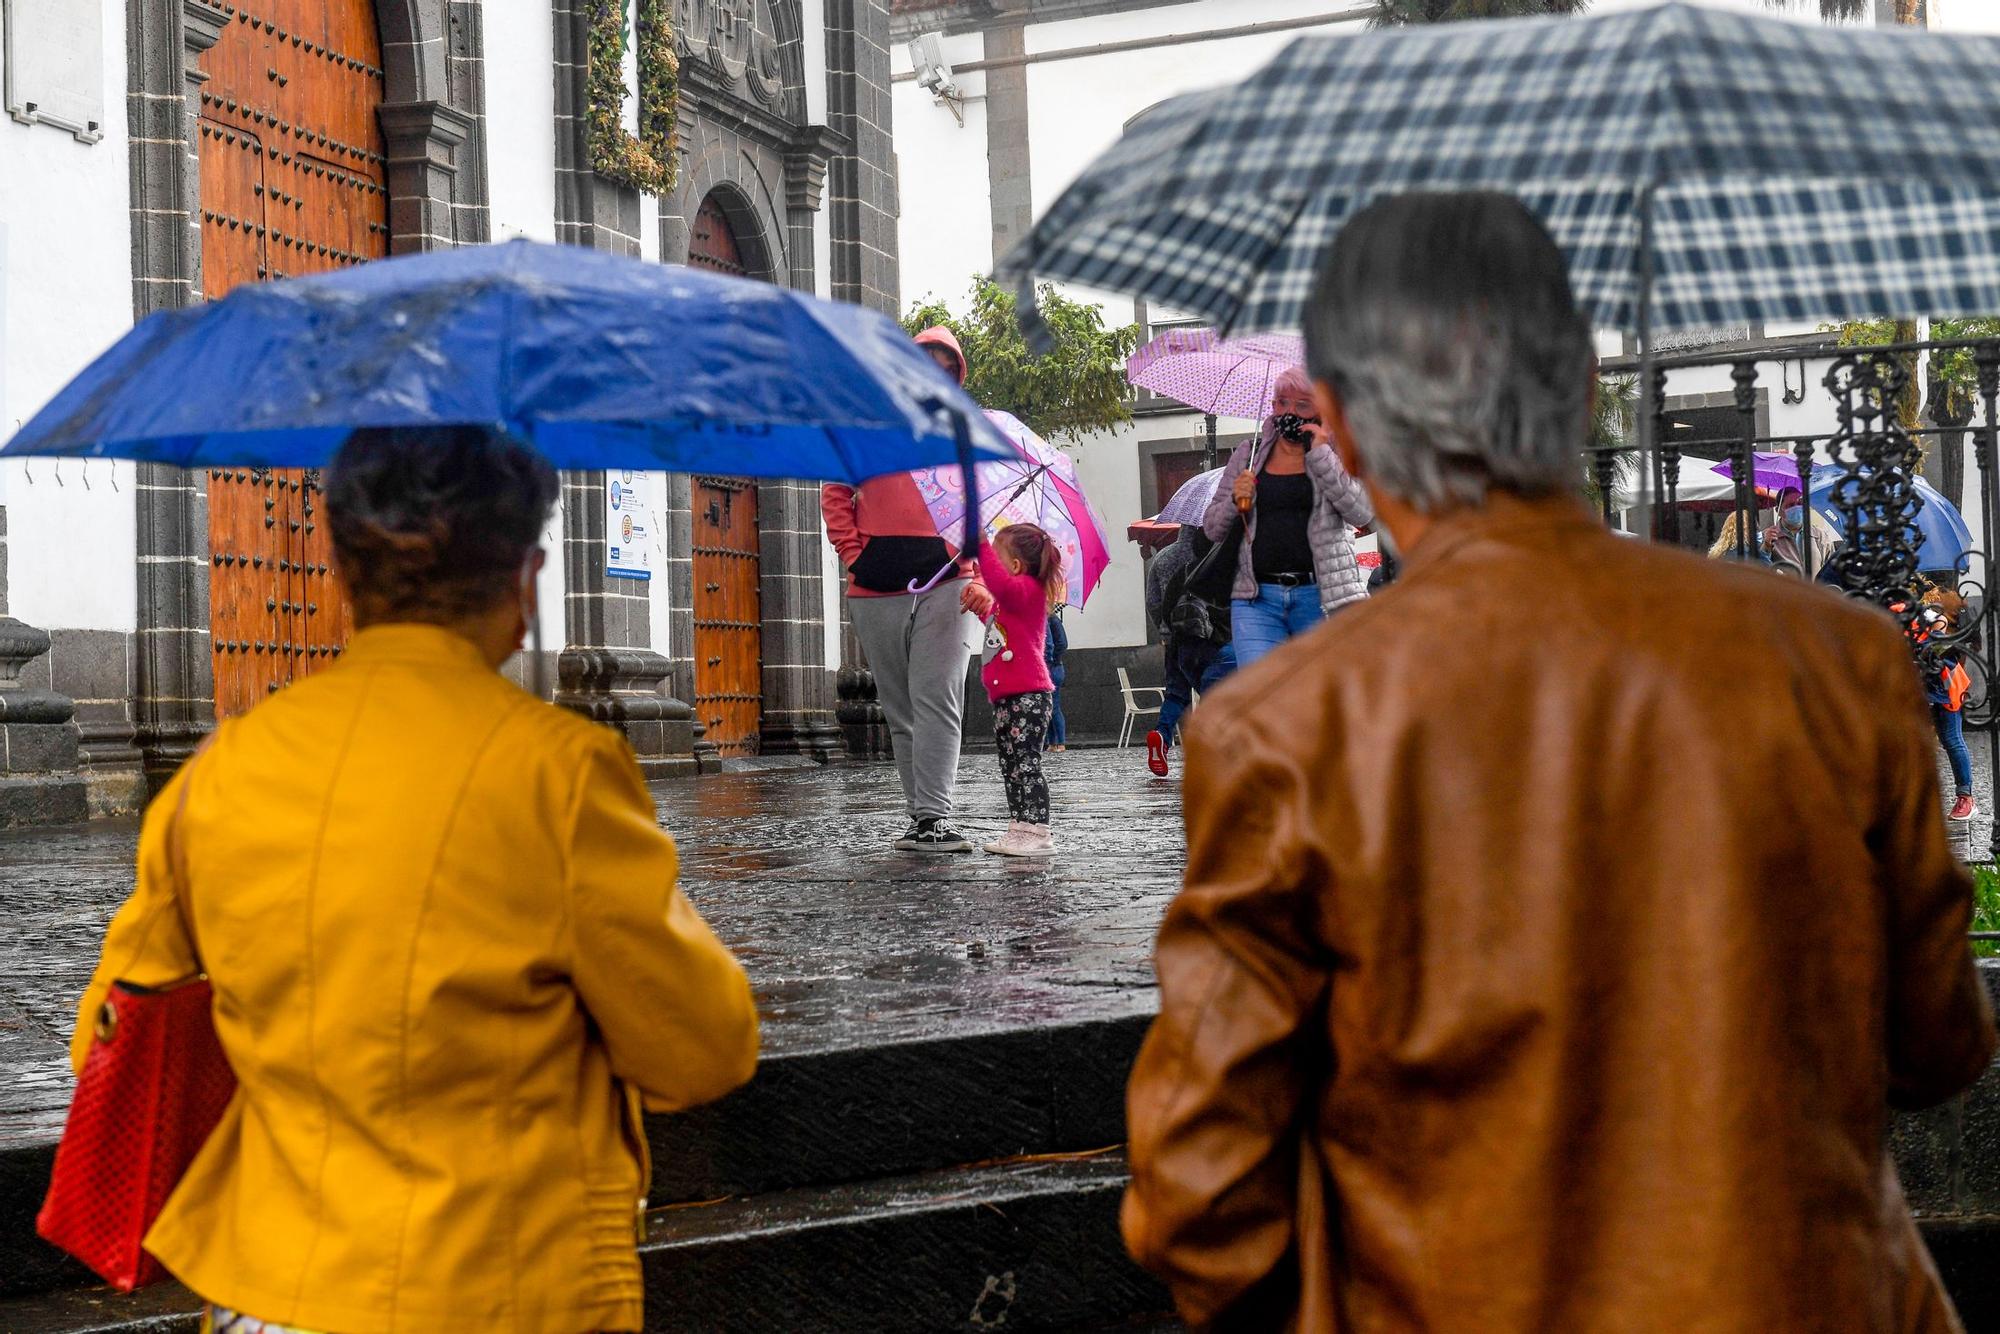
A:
1950, 725
1188, 662
1058, 725
1277, 614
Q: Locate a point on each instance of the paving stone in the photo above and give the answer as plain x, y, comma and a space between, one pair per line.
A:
848, 943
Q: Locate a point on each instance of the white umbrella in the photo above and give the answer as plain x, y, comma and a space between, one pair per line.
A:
1698, 485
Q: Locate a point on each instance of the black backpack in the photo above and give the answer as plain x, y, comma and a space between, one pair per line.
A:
1197, 599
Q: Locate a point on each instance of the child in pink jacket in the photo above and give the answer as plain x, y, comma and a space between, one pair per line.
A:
1022, 568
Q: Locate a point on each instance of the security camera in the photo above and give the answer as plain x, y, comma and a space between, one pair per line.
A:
932, 69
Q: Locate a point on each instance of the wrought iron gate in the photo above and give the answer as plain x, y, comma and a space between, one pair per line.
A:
1868, 465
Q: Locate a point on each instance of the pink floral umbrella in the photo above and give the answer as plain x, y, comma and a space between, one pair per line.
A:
1041, 488
1223, 377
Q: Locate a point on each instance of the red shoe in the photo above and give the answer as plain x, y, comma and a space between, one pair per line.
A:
1964, 808
1156, 754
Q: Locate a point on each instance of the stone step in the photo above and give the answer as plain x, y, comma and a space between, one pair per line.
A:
1035, 1240
1033, 1243
807, 1119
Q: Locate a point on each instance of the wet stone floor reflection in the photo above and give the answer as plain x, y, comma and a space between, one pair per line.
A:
847, 941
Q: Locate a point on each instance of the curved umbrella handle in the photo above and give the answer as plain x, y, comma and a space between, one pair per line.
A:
927, 585
962, 431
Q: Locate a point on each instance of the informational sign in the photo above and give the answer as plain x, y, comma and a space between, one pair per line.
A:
628, 539
54, 64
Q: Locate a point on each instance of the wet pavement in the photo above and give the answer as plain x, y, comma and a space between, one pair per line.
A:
848, 942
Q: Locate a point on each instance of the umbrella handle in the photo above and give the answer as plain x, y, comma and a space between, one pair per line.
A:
950, 568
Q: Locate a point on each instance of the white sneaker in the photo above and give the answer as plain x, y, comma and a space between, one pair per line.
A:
997, 846
1024, 840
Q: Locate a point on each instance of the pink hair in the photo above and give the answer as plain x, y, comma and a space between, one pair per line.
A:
1292, 380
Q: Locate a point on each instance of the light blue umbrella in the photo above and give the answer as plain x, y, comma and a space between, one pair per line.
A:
1941, 530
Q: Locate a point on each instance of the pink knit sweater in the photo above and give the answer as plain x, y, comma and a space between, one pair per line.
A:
1012, 663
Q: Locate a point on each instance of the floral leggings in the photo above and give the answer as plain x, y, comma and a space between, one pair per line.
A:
1020, 724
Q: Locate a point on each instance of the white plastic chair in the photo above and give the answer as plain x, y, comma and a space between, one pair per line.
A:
1134, 710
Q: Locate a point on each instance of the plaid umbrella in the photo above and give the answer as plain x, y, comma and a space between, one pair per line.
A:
1749, 168
1232, 377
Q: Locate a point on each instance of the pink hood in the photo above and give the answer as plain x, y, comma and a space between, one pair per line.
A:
939, 336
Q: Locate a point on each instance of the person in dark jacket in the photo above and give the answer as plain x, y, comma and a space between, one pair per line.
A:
1055, 647
1193, 615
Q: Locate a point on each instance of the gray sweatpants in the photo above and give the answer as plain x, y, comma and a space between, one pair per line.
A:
917, 646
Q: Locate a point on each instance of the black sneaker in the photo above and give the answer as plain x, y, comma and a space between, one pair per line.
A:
936, 836
908, 841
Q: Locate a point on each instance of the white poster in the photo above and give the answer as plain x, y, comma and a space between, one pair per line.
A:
628, 537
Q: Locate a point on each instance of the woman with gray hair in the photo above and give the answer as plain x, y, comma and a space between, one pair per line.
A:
1299, 509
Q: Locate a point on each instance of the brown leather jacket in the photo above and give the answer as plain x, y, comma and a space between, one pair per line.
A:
1559, 928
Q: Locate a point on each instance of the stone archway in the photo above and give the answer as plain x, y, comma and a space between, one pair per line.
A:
726, 544
431, 120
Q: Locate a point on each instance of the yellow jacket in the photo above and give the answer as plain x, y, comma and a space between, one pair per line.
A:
442, 925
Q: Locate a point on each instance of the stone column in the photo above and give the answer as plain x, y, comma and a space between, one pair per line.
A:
472, 217
608, 669
174, 673
861, 214
39, 782
1007, 162
798, 690
424, 140
798, 694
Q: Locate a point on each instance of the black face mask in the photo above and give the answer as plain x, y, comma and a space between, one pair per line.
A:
1293, 427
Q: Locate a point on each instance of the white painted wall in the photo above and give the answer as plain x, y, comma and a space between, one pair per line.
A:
1077, 109
946, 231
65, 296
520, 120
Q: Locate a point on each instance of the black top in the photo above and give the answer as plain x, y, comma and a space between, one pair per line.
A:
1280, 546
892, 564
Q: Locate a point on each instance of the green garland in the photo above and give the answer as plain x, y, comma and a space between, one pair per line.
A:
650, 162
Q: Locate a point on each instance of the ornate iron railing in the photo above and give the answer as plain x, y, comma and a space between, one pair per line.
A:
1874, 462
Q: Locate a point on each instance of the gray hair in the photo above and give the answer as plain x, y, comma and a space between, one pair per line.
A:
1446, 324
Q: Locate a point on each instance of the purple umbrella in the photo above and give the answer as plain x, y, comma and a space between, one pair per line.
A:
1772, 471
1231, 377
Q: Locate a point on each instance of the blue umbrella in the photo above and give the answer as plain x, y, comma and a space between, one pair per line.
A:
598, 361
1938, 523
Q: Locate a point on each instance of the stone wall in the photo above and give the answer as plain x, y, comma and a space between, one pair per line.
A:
1091, 701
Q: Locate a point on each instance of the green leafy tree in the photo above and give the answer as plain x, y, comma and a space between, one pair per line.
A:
1076, 389
1396, 13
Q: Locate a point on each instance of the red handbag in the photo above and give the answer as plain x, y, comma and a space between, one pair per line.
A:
152, 1090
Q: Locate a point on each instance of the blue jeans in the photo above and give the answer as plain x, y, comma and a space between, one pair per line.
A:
1277, 614
1950, 725
1058, 725
1188, 663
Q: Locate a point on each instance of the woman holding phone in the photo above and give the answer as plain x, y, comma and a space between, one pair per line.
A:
1300, 510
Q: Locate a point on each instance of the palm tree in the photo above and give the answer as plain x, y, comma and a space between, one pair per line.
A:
1396, 13
1841, 11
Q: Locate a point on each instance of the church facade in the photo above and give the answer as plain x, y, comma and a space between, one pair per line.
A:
161, 152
